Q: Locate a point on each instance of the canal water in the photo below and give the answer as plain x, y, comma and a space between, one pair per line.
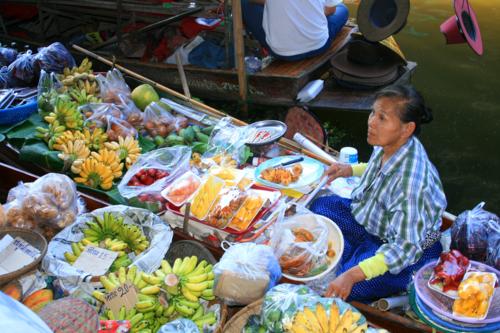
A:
463, 90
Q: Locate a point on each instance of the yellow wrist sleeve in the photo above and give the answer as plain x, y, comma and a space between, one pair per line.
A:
358, 169
374, 266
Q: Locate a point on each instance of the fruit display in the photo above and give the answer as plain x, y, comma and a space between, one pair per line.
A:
247, 212
37, 300
127, 148
193, 136
117, 128
282, 175
225, 207
109, 232
231, 176
147, 177
182, 188
449, 271
143, 95
205, 197
181, 290
475, 293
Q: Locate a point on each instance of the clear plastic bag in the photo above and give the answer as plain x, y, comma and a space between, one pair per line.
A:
174, 161
158, 120
469, 232
48, 204
493, 256
119, 128
54, 58
156, 231
48, 88
131, 112
245, 273
180, 326
113, 86
7, 56
300, 242
96, 114
24, 68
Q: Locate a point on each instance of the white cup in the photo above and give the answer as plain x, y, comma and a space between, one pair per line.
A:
348, 155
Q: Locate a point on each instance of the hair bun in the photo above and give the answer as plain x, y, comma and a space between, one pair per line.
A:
426, 115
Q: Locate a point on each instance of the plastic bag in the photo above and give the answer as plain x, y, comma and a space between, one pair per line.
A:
48, 92
24, 68
245, 272
96, 114
158, 120
174, 161
113, 86
180, 326
493, 256
300, 242
7, 56
469, 232
48, 204
118, 127
54, 58
156, 231
130, 111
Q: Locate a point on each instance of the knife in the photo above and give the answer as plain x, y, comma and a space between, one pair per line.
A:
290, 162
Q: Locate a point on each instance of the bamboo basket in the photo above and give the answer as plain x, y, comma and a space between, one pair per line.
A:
239, 320
32, 237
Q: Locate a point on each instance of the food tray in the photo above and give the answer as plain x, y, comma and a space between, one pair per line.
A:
213, 186
265, 132
442, 305
495, 279
222, 211
231, 176
437, 287
248, 210
187, 176
272, 194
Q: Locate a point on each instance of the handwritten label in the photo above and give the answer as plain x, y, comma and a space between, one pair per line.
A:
17, 254
124, 295
94, 260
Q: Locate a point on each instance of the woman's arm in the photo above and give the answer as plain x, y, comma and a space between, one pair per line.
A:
330, 11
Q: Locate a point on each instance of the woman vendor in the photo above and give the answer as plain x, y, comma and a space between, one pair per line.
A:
391, 224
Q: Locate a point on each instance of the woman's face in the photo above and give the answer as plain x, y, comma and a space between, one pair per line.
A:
385, 128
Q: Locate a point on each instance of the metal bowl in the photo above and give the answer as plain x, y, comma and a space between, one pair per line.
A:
265, 132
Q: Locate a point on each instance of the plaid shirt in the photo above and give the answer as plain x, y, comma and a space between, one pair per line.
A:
400, 202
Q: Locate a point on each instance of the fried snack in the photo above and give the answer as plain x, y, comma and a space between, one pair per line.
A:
281, 175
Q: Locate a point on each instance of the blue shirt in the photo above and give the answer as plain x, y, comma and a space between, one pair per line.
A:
401, 202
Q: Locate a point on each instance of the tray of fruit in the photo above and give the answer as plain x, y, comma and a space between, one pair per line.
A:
448, 273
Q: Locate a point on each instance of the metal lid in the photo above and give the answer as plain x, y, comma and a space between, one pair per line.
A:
265, 132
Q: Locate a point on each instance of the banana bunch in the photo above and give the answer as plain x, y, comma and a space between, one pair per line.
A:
77, 248
96, 138
189, 278
58, 142
110, 159
84, 71
134, 238
319, 321
84, 95
73, 151
128, 149
106, 226
67, 114
54, 130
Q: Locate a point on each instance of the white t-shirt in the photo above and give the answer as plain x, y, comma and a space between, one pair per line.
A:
296, 26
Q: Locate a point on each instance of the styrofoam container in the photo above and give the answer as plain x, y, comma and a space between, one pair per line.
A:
334, 235
493, 283
437, 287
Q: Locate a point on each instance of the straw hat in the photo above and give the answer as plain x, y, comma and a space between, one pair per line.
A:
463, 27
379, 19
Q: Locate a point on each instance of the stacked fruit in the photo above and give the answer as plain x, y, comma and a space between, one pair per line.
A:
193, 136
155, 307
80, 83
109, 232
317, 320
146, 177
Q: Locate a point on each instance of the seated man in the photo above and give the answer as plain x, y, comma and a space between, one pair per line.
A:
294, 29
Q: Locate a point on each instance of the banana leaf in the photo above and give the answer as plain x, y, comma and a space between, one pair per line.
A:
26, 130
36, 152
146, 144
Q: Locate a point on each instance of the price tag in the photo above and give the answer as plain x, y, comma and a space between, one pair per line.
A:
124, 295
17, 254
94, 260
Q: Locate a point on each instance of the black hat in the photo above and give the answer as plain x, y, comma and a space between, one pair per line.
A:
379, 19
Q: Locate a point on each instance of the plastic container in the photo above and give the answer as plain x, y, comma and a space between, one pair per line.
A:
493, 282
17, 114
231, 176
180, 191
247, 212
348, 155
205, 197
226, 206
310, 90
439, 288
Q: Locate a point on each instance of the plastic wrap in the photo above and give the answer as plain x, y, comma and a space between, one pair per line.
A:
48, 86
245, 272
156, 231
24, 68
493, 255
7, 56
130, 111
54, 58
469, 233
174, 160
48, 204
301, 247
117, 127
113, 86
158, 120
180, 326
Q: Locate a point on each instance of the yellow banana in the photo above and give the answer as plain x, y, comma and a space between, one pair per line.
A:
151, 290
197, 286
334, 318
322, 317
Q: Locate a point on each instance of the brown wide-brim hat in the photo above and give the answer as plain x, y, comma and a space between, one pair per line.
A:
379, 19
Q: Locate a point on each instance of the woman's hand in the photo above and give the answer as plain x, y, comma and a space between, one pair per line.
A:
337, 170
341, 287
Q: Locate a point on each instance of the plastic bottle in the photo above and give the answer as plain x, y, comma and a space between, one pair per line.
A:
310, 90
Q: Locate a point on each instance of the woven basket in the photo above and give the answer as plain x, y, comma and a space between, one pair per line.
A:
30, 236
223, 317
188, 248
239, 320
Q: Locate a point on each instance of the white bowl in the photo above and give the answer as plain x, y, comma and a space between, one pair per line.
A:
334, 235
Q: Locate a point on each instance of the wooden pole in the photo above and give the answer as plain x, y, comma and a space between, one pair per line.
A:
182, 75
285, 143
239, 49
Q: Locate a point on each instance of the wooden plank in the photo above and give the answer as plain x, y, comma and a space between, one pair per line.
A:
239, 53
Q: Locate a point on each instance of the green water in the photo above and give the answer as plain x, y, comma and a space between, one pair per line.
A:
463, 90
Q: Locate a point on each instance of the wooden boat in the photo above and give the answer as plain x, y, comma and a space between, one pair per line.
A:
278, 84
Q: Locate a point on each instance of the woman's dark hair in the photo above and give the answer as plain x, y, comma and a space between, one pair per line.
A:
414, 108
